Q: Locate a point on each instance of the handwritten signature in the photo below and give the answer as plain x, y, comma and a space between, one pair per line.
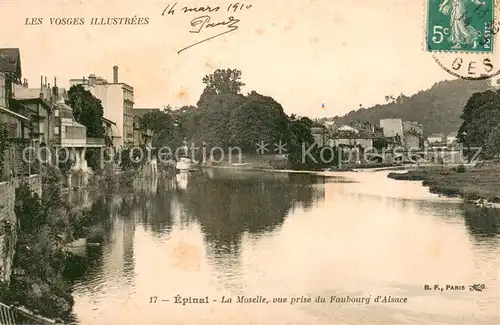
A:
201, 23
204, 22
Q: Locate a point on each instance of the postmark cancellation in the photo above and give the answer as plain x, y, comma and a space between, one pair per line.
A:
461, 36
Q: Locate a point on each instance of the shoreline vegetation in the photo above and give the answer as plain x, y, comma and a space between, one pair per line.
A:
46, 261
477, 185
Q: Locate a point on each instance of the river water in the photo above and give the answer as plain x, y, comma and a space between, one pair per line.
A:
276, 235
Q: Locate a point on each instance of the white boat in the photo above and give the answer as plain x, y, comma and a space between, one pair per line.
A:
184, 164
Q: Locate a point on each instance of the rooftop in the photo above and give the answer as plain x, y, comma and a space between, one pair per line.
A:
10, 62
8, 111
107, 121
24, 93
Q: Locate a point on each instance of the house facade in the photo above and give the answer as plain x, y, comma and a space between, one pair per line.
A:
142, 137
35, 104
16, 124
352, 137
117, 99
451, 139
435, 139
320, 134
401, 133
110, 132
52, 122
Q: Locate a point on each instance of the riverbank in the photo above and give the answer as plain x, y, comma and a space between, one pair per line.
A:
480, 186
52, 233
271, 166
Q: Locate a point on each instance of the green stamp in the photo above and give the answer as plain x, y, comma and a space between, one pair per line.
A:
460, 25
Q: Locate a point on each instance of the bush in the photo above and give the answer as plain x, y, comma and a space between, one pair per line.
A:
461, 169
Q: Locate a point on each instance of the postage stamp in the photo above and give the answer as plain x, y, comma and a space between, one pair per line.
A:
460, 25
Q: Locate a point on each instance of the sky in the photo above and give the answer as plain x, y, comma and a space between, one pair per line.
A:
303, 53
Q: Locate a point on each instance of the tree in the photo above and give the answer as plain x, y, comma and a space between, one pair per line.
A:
301, 136
258, 118
188, 123
216, 117
223, 82
481, 123
162, 125
87, 110
220, 96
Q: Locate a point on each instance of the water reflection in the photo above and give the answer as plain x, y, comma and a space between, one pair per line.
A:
231, 204
286, 234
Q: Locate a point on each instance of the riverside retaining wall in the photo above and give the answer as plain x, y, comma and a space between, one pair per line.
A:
8, 220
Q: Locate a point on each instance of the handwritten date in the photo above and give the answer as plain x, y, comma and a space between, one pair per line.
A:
233, 7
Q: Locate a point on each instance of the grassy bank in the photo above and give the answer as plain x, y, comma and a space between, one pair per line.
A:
474, 184
277, 162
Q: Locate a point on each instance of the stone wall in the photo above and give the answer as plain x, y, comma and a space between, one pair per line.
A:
8, 221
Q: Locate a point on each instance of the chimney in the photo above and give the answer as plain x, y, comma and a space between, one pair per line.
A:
115, 74
45, 84
55, 90
41, 87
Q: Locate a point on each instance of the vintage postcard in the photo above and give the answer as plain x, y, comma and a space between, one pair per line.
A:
216, 162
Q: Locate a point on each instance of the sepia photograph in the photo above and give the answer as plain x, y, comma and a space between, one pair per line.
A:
285, 162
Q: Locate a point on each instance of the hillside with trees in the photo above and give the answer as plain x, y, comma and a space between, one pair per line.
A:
438, 108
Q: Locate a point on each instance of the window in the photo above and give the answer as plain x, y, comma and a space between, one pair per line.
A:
56, 113
56, 130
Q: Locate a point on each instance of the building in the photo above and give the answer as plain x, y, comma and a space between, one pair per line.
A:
351, 137
10, 65
320, 134
451, 138
110, 131
52, 122
330, 126
436, 139
10, 75
495, 81
16, 124
401, 133
117, 99
70, 134
36, 104
142, 137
